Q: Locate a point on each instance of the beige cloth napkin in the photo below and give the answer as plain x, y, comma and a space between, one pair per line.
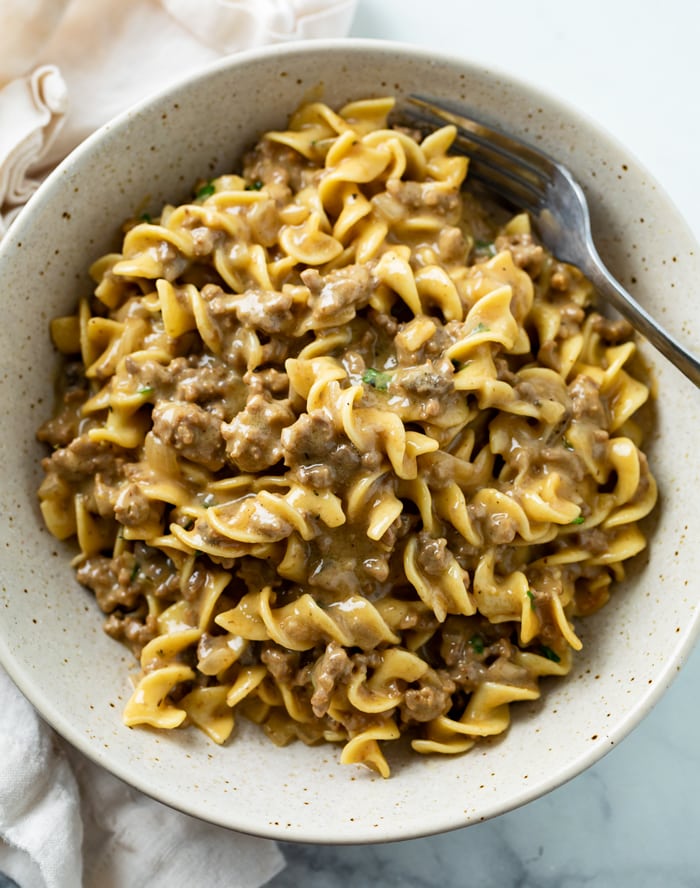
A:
32, 110
66, 67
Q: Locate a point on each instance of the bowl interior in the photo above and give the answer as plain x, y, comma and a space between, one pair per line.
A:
51, 640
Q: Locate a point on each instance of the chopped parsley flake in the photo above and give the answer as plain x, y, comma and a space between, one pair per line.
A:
254, 186
135, 571
206, 190
484, 246
146, 390
531, 596
550, 654
376, 378
567, 444
145, 217
477, 643
480, 328
578, 520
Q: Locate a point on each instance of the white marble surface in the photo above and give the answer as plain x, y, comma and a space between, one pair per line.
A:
632, 820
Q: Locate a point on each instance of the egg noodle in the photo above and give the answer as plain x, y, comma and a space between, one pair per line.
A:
342, 454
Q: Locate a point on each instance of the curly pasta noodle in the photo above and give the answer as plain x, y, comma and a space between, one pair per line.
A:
343, 453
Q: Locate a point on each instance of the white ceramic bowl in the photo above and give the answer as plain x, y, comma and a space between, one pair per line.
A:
51, 638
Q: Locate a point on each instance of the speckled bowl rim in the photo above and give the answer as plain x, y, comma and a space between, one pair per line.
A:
411, 819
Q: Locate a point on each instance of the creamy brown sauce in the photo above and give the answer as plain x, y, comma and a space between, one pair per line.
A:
373, 448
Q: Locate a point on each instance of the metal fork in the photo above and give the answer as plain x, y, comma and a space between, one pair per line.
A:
531, 180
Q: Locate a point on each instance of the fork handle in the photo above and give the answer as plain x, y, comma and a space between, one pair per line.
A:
633, 312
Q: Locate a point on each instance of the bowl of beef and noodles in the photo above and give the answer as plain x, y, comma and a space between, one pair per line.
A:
331, 480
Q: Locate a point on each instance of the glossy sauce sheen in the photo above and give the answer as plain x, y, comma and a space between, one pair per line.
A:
343, 453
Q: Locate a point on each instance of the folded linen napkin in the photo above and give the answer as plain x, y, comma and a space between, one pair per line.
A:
66, 822
66, 67
32, 110
105, 56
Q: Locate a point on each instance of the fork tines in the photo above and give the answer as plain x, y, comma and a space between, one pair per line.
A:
504, 165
